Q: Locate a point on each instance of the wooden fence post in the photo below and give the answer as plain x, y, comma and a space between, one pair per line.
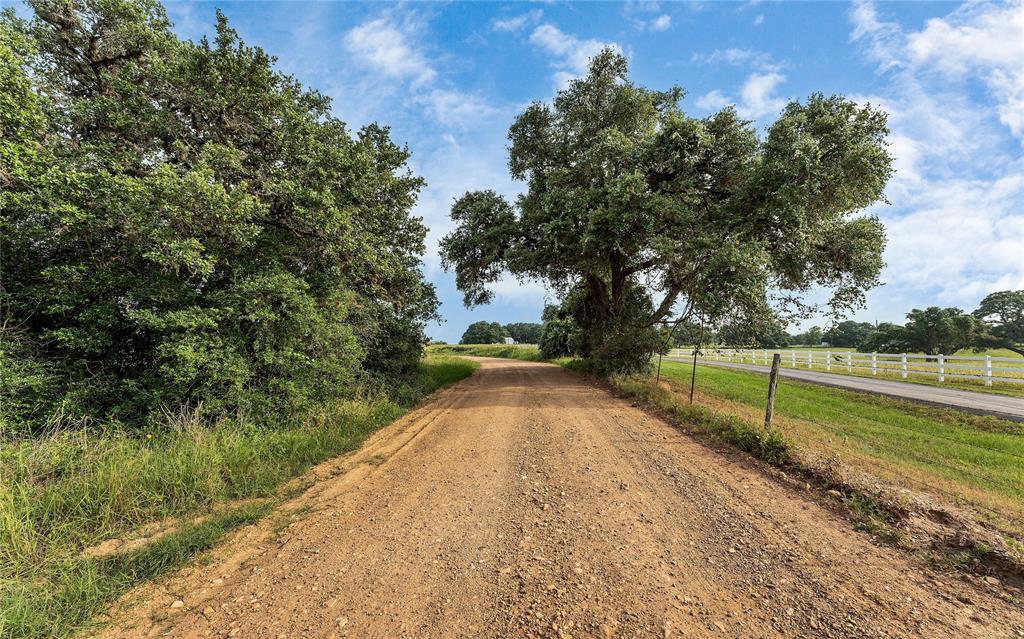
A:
828, 361
874, 364
773, 381
988, 370
942, 368
810, 360
693, 373
903, 365
849, 363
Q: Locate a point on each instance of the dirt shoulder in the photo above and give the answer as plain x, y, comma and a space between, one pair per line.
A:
525, 502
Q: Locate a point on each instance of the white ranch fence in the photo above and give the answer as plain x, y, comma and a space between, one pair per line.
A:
978, 368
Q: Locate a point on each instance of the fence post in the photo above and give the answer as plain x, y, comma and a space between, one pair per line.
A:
810, 360
849, 363
903, 365
988, 370
828, 361
773, 381
765, 353
942, 368
793, 357
874, 364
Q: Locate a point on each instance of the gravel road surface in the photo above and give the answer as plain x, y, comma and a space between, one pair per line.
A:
525, 502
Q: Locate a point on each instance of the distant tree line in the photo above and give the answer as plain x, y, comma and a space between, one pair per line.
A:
998, 322
184, 224
495, 333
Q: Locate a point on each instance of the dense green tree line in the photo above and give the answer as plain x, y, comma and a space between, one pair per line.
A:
494, 333
998, 322
183, 223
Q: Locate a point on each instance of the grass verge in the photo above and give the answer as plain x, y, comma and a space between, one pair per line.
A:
969, 459
70, 491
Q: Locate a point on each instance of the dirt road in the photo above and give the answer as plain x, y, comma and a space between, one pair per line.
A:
524, 502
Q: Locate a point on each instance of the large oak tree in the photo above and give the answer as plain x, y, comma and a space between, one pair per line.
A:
638, 213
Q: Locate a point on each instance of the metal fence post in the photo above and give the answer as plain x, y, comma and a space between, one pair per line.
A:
828, 361
874, 364
942, 368
988, 370
903, 365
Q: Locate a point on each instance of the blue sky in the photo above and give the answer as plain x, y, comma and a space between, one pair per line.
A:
449, 78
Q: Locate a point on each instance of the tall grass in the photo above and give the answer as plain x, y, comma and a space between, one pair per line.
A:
69, 491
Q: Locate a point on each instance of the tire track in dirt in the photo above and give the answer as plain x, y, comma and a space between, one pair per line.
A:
526, 502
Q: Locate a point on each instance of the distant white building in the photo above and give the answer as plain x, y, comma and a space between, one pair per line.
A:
509, 340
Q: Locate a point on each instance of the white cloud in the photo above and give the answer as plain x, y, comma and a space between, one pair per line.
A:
737, 57
983, 41
758, 20
456, 108
980, 40
990, 228
880, 38
956, 223
380, 45
661, 23
386, 48
572, 55
713, 101
516, 23
642, 16
757, 97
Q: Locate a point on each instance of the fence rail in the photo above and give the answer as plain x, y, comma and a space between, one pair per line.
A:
979, 368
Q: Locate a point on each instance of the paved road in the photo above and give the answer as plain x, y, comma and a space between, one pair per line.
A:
970, 401
524, 502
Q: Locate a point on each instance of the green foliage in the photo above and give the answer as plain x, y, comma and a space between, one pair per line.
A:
628, 196
1003, 312
484, 333
813, 337
931, 331
524, 332
183, 224
766, 333
850, 334
555, 339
